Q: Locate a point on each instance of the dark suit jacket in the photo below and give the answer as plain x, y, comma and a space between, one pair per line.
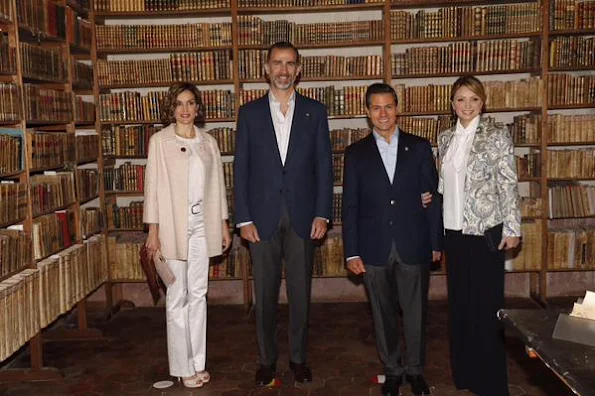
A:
260, 179
375, 212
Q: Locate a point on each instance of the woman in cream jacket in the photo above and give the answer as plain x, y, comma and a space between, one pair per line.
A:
478, 181
186, 209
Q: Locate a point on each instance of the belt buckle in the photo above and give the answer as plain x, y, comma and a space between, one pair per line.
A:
195, 209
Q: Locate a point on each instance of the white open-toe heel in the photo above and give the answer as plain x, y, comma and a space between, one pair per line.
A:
191, 382
204, 376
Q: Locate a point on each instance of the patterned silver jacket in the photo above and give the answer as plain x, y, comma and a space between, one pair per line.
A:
491, 191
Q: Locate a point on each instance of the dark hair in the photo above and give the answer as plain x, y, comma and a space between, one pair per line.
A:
283, 45
473, 84
169, 103
379, 88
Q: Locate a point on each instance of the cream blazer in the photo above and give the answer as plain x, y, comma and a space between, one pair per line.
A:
166, 192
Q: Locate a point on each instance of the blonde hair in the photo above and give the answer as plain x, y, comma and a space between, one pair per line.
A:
473, 84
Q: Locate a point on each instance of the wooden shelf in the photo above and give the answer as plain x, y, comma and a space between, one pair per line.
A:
301, 46
86, 161
465, 38
466, 73
125, 193
531, 145
445, 3
27, 34
489, 110
41, 80
572, 32
574, 218
11, 222
48, 168
559, 144
150, 122
157, 50
311, 9
164, 13
572, 68
572, 106
44, 123
52, 210
11, 175
531, 218
85, 200
78, 50
529, 179
9, 122
322, 78
115, 157
125, 230
570, 269
85, 123
165, 84
555, 179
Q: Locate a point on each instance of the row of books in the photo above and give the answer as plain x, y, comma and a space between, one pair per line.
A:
531, 207
526, 129
80, 30
48, 150
52, 233
128, 177
50, 192
300, 3
7, 56
226, 139
253, 30
42, 16
131, 106
527, 256
87, 148
466, 57
33, 298
465, 21
11, 151
157, 5
13, 202
19, 311
141, 37
528, 165
426, 127
572, 200
83, 111
571, 163
572, 14
566, 89
338, 169
251, 65
83, 75
127, 217
572, 52
87, 184
10, 102
188, 66
15, 250
578, 128
571, 248
6, 10
228, 174
126, 141
92, 221
43, 104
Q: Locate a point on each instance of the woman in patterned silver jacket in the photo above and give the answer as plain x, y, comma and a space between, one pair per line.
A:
478, 181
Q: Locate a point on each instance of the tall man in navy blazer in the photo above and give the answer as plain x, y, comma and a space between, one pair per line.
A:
389, 236
283, 186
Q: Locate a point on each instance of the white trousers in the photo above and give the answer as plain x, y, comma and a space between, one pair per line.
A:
186, 305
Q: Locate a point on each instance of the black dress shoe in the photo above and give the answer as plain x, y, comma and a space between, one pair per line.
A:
264, 375
419, 385
391, 386
301, 372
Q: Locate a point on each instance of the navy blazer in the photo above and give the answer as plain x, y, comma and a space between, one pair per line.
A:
376, 212
261, 181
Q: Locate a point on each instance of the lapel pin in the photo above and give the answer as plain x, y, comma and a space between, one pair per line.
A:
406, 148
307, 114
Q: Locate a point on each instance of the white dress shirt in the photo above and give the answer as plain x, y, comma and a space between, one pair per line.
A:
454, 170
388, 152
282, 123
195, 171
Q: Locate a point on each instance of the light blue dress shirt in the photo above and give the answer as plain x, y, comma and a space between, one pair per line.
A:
388, 152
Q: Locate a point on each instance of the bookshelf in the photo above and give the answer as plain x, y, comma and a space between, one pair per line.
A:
534, 56
53, 254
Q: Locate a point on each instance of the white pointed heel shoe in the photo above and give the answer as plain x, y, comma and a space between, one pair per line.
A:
204, 376
191, 382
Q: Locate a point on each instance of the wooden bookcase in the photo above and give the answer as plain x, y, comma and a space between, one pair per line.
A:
56, 255
419, 47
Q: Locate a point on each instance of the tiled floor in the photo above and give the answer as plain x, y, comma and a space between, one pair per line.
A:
342, 356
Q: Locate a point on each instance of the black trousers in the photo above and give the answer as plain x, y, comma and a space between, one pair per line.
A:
475, 294
388, 287
267, 257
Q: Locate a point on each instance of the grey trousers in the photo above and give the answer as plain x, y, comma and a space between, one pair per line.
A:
390, 286
267, 257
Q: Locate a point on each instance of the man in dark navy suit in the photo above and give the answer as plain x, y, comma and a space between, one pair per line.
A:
390, 237
283, 185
